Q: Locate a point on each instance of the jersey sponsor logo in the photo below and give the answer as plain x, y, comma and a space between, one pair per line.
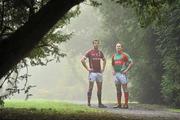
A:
119, 62
96, 58
95, 55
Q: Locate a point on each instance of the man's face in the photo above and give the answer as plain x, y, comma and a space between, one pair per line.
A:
96, 44
119, 47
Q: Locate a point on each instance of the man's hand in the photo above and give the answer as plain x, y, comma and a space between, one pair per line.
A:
104, 65
90, 69
127, 69
102, 70
124, 72
84, 64
113, 72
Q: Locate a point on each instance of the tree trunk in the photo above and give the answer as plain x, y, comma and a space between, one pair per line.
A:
20, 43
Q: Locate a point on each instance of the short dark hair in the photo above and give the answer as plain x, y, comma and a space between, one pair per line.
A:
95, 41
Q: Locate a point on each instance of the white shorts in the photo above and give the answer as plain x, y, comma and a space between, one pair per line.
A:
120, 78
95, 76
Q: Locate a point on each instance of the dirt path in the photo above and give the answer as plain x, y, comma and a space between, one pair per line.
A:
143, 112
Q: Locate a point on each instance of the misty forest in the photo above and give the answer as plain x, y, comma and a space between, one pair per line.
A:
42, 43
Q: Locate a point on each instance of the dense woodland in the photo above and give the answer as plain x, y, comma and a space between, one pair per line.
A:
148, 29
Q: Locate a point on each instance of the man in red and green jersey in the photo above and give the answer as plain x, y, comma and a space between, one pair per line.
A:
95, 71
121, 63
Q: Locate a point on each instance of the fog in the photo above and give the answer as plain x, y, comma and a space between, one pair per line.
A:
148, 35
68, 80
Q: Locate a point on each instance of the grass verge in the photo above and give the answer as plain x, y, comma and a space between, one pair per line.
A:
52, 110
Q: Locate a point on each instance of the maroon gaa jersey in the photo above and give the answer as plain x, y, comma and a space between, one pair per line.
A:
94, 57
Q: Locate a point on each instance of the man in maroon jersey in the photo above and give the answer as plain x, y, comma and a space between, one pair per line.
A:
95, 71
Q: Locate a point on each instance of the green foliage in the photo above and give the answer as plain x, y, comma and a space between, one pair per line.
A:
14, 13
49, 48
94, 3
147, 11
1, 103
121, 25
158, 68
169, 48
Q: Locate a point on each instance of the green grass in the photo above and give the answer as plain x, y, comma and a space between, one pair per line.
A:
50, 105
174, 110
53, 110
60, 110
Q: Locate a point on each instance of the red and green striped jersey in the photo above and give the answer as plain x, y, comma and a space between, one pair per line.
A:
120, 61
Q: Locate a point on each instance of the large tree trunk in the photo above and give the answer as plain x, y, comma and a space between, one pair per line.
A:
17, 47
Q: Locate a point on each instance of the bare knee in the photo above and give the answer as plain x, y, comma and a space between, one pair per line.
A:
118, 88
125, 89
99, 86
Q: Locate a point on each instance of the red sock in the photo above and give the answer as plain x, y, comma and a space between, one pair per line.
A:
126, 96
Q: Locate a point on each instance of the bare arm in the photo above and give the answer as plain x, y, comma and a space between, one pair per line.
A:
128, 68
83, 61
104, 64
113, 71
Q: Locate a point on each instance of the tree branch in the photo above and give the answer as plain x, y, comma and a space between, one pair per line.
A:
20, 43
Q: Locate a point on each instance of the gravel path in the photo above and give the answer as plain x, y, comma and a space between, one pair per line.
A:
140, 112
